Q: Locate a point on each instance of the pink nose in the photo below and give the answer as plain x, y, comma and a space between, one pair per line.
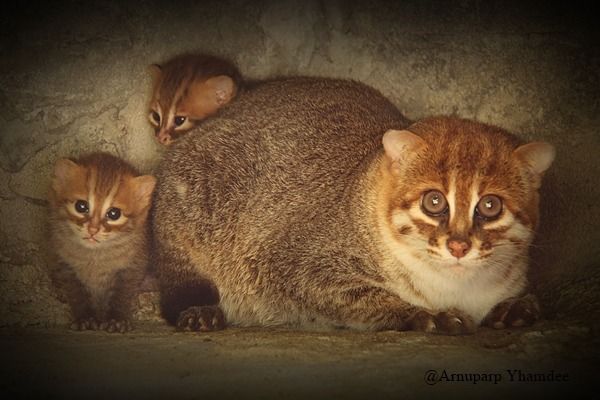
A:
164, 138
458, 248
93, 230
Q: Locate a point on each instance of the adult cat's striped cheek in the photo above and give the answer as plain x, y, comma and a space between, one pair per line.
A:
506, 227
405, 225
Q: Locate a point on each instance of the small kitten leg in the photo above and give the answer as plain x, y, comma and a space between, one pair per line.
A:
85, 324
126, 288
187, 300
72, 291
514, 312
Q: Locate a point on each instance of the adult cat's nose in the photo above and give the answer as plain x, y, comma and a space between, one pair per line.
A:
458, 247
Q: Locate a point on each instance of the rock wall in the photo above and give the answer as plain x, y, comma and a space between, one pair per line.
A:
73, 79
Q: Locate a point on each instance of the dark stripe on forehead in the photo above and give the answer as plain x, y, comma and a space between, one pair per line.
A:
107, 179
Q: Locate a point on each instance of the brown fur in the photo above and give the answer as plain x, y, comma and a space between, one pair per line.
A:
194, 86
278, 209
97, 264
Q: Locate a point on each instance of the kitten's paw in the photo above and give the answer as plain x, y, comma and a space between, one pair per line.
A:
85, 324
201, 318
116, 326
451, 322
514, 312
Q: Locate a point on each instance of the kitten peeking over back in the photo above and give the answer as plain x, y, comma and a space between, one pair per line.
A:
188, 89
98, 233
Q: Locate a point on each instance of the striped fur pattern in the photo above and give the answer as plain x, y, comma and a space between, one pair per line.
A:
303, 205
188, 89
98, 232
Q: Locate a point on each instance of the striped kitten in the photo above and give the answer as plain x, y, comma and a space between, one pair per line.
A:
98, 232
339, 212
188, 89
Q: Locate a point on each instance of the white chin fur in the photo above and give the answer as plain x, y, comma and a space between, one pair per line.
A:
470, 284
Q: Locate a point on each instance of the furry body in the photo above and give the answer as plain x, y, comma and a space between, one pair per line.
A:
286, 210
99, 262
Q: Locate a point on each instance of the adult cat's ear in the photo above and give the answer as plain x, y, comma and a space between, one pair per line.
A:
401, 146
537, 156
66, 172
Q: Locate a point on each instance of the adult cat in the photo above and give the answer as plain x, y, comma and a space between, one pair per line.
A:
288, 210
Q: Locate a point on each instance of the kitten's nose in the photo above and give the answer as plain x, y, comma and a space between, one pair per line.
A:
92, 230
458, 248
164, 138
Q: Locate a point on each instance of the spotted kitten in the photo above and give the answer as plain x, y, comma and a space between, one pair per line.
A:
338, 212
98, 233
188, 89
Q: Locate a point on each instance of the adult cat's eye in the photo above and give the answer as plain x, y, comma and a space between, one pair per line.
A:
82, 206
434, 203
489, 207
113, 214
179, 120
155, 116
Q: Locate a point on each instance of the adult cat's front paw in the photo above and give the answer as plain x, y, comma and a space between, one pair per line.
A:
451, 322
514, 312
201, 318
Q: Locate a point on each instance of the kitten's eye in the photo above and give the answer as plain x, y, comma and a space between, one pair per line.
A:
155, 116
82, 206
113, 214
434, 203
179, 120
489, 207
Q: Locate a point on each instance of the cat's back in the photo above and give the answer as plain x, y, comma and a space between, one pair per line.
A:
284, 124
282, 152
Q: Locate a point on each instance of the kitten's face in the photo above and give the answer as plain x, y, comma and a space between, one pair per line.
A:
462, 198
184, 95
99, 201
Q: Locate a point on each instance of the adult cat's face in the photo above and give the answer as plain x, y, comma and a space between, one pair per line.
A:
463, 196
98, 200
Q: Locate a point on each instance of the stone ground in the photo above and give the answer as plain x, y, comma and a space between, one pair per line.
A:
156, 362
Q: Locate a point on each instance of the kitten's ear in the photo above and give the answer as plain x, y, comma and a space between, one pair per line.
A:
66, 172
155, 71
143, 188
401, 145
207, 97
223, 88
537, 156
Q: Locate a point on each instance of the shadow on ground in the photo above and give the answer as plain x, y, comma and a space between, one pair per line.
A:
156, 362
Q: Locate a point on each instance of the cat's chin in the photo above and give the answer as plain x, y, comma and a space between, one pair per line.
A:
457, 267
91, 243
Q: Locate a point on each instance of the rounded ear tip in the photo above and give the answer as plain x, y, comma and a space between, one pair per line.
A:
64, 162
547, 149
539, 155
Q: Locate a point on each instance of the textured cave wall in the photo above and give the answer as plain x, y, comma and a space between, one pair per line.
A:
73, 79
